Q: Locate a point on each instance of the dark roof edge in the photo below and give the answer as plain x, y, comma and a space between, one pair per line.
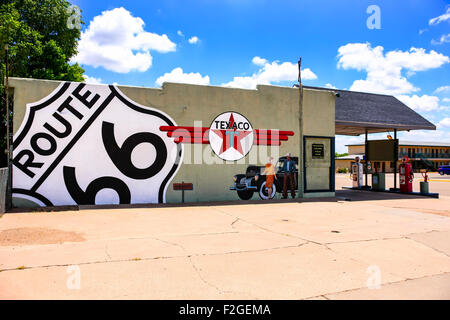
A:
336, 89
385, 125
416, 113
400, 144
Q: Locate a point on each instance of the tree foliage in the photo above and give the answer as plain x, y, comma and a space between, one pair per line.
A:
40, 43
337, 155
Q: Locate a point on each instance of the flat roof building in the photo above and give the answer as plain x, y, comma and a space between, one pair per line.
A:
79, 144
422, 154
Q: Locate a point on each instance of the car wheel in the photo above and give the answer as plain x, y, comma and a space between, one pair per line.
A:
263, 191
441, 173
245, 194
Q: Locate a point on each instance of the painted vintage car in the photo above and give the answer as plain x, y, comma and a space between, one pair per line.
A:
253, 181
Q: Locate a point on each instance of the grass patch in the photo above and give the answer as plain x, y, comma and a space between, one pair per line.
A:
21, 268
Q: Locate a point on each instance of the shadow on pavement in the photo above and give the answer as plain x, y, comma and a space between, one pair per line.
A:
362, 195
347, 195
170, 205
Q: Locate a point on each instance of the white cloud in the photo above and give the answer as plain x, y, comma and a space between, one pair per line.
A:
444, 123
421, 31
259, 61
384, 71
442, 89
446, 100
270, 73
92, 80
342, 141
443, 39
117, 41
177, 75
439, 134
441, 18
330, 86
180, 33
193, 40
424, 103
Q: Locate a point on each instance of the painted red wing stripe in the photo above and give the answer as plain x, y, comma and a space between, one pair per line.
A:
258, 131
274, 132
181, 128
281, 138
186, 134
191, 140
198, 129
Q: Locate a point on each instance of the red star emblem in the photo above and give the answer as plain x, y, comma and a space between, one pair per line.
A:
231, 138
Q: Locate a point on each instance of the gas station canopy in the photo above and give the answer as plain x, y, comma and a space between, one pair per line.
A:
357, 112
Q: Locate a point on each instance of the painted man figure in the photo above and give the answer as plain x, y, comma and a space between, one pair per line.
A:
289, 174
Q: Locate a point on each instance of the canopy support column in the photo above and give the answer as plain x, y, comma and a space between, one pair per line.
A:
395, 159
367, 160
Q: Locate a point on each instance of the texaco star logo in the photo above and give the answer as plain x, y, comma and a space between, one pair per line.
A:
231, 136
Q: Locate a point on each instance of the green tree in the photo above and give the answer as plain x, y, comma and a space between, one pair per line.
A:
337, 155
41, 43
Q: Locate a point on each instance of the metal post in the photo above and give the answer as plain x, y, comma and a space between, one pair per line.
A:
366, 152
182, 191
395, 159
300, 179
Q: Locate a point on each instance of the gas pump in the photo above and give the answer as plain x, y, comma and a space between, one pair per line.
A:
406, 175
357, 174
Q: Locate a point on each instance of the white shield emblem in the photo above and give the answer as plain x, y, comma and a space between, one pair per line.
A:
90, 144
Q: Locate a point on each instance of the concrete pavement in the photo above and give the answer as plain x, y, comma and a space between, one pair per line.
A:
310, 250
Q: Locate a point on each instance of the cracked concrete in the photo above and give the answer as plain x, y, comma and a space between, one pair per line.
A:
320, 250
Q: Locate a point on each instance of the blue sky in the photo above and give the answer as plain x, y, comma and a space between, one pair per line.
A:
146, 42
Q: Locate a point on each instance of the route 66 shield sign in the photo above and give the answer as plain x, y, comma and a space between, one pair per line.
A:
90, 144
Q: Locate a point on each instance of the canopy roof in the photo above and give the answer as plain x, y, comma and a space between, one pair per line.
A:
402, 143
357, 112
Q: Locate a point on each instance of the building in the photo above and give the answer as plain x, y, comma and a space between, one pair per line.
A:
85, 144
422, 155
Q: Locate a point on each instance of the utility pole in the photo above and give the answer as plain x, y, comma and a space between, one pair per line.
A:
300, 177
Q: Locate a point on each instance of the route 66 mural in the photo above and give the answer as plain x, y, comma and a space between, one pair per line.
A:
90, 144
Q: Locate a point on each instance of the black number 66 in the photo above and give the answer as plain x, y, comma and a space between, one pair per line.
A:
121, 157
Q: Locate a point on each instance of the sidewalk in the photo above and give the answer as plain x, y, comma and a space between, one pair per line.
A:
308, 250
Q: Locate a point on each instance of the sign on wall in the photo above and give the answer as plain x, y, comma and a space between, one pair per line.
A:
90, 144
317, 150
231, 136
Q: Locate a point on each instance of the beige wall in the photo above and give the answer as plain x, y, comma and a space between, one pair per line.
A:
318, 121
356, 149
267, 107
343, 164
